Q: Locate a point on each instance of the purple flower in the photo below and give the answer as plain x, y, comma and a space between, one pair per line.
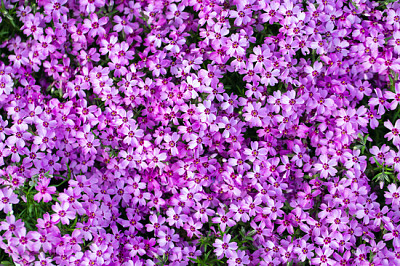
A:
175, 217
326, 167
166, 238
44, 191
192, 228
238, 258
323, 257
95, 25
393, 195
337, 221
304, 250
394, 132
62, 213
203, 212
223, 219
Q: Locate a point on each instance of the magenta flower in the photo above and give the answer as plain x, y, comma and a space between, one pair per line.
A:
91, 5
304, 250
326, 167
395, 96
122, 24
379, 100
337, 221
224, 247
255, 152
192, 228
62, 213
175, 217
95, 25
394, 134
11, 226
242, 16
44, 191
132, 133
157, 158
166, 238
393, 234
223, 219
254, 113
156, 224
323, 257
393, 195
314, 71
89, 144
269, 76
176, 13
238, 258
203, 212
237, 45
6, 84
7, 198
20, 58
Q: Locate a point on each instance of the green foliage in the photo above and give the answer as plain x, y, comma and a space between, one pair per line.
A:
10, 25
241, 233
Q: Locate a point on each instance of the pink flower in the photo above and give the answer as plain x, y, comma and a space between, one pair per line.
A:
323, 257
44, 191
20, 58
393, 96
156, 224
393, 195
254, 113
224, 247
175, 217
304, 250
31, 26
326, 167
238, 258
269, 75
394, 133
90, 5
7, 198
192, 228
314, 71
176, 13
394, 233
255, 152
223, 220
156, 158
62, 213
95, 25
337, 221
242, 16
166, 238
6, 84
171, 143
122, 24
237, 45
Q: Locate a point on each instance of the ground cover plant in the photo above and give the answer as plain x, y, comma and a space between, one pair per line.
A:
199, 132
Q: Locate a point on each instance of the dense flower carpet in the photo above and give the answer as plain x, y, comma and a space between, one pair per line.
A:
199, 132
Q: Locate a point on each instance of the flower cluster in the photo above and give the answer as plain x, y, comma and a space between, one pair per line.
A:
202, 132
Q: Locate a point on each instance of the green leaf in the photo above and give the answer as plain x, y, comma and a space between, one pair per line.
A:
251, 233
376, 161
388, 38
249, 238
3, 7
4, 262
208, 254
